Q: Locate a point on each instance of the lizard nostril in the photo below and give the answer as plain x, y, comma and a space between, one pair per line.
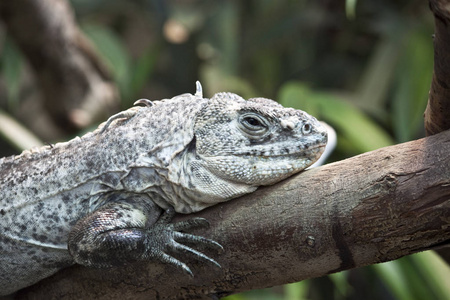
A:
307, 128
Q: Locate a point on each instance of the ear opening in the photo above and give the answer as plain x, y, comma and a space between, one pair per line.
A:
192, 145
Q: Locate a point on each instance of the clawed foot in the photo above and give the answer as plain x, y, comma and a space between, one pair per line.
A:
168, 237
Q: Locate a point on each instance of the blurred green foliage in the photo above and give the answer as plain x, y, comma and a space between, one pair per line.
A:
351, 122
11, 65
362, 66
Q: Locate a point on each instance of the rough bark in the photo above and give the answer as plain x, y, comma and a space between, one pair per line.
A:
371, 208
437, 113
76, 87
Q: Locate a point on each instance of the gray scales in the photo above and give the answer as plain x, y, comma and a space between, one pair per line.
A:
107, 198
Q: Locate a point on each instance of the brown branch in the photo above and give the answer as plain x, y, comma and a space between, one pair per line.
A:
371, 208
76, 86
437, 113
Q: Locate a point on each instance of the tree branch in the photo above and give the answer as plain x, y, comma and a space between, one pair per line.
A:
437, 113
77, 88
371, 208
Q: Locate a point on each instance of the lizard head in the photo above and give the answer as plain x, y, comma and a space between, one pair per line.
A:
255, 142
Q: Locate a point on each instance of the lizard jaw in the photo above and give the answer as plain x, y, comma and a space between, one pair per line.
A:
263, 170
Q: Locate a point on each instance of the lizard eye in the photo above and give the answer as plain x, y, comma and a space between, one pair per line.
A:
253, 124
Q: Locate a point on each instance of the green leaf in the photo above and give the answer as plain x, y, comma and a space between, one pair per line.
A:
436, 273
413, 81
11, 62
213, 79
235, 297
142, 70
379, 71
350, 8
296, 290
342, 286
112, 49
352, 124
420, 276
391, 274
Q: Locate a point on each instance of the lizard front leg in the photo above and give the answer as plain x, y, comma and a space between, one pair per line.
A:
131, 227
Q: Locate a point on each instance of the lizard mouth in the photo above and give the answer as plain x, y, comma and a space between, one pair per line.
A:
263, 167
284, 152
302, 153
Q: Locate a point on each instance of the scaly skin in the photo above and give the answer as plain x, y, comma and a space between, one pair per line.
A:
107, 198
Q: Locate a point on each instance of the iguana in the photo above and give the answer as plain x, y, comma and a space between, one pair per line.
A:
107, 198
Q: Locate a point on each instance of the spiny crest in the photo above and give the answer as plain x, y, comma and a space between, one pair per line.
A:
276, 110
199, 89
264, 106
227, 97
266, 102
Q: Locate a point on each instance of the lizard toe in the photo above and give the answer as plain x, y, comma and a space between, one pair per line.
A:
191, 223
180, 248
167, 216
199, 241
165, 258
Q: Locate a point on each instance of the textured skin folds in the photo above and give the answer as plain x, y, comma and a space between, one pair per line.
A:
107, 198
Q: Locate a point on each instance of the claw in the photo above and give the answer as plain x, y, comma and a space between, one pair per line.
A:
199, 240
176, 263
198, 255
170, 237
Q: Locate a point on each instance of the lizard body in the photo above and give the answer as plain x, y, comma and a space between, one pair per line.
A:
107, 198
